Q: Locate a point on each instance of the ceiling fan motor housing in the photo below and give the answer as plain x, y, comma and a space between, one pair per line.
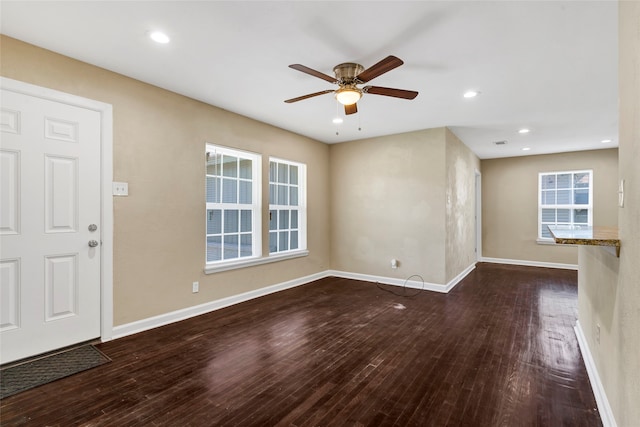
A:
346, 73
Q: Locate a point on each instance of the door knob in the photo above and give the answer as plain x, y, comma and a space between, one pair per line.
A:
93, 243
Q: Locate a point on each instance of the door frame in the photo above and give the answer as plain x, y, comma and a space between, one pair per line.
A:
106, 179
478, 214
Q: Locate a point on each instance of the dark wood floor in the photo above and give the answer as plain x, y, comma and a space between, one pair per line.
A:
498, 350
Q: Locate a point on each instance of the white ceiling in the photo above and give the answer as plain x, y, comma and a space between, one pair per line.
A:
545, 65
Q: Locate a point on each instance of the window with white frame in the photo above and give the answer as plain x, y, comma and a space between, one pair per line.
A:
287, 206
564, 199
233, 224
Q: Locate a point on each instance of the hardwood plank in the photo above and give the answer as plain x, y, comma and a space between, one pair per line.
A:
499, 349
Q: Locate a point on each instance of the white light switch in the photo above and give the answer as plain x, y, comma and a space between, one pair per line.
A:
120, 189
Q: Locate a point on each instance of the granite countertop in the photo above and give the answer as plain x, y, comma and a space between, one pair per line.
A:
594, 236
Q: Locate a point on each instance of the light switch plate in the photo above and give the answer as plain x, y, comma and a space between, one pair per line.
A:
120, 189
621, 194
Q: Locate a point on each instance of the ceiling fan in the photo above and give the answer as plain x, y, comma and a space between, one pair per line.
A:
348, 76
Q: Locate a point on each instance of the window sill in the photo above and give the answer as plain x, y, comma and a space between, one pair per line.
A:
542, 241
217, 268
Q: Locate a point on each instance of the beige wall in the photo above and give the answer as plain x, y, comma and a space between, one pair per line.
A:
510, 203
461, 168
158, 148
609, 288
388, 198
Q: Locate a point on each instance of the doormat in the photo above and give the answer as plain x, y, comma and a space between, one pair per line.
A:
45, 369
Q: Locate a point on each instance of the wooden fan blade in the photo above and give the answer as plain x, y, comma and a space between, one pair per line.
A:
388, 91
311, 95
351, 109
387, 64
312, 72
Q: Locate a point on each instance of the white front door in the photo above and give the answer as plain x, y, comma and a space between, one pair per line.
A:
50, 212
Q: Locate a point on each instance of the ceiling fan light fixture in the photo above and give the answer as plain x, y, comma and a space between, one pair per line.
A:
348, 95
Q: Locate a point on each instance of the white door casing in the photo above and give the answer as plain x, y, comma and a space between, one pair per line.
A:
53, 291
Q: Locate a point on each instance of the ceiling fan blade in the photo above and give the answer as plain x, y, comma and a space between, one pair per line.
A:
387, 64
351, 109
388, 91
311, 95
312, 72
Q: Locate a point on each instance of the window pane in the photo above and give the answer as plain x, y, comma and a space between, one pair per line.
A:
213, 164
231, 221
564, 215
293, 196
548, 215
294, 219
284, 220
283, 198
273, 172
283, 172
245, 168
548, 197
272, 194
245, 192
214, 221
564, 180
230, 166
293, 175
294, 240
273, 220
564, 197
283, 242
581, 197
231, 246
214, 248
581, 216
213, 190
545, 231
548, 182
229, 191
581, 180
245, 220
245, 245
273, 242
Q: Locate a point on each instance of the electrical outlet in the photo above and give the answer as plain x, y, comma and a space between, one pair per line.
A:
394, 263
195, 287
598, 333
120, 188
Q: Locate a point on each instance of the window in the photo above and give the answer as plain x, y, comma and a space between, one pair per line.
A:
565, 199
232, 197
287, 206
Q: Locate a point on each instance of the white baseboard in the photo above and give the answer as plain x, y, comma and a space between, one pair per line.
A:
529, 263
606, 414
196, 310
414, 284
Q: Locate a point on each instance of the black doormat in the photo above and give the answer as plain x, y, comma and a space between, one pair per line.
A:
48, 368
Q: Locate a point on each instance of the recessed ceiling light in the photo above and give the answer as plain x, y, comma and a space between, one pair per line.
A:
159, 37
471, 94
526, 149
337, 120
524, 130
605, 141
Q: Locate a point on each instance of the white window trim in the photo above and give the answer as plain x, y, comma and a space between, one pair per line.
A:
550, 241
248, 262
302, 209
256, 218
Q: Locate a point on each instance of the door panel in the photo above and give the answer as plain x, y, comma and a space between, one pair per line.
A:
50, 194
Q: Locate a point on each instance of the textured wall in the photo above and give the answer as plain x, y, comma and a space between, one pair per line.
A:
609, 288
387, 201
158, 148
510, 202
461, 168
